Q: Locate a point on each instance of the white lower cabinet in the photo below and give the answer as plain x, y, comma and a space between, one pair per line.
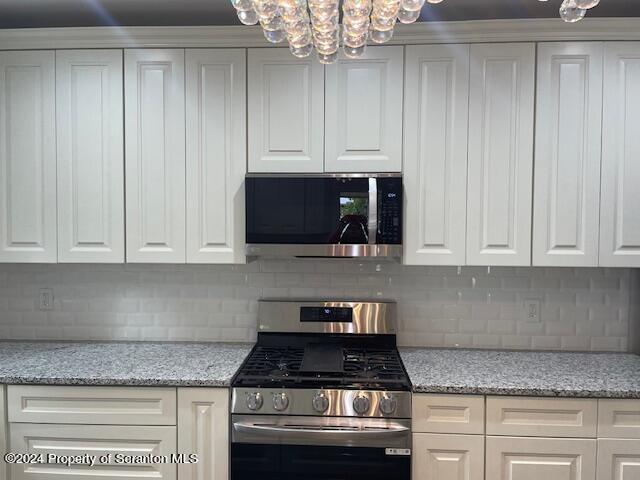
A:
203, 429
448, 457
618, 459
522, 458
97, 440
3, 434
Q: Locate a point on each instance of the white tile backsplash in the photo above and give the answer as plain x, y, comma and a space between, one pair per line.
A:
581, 309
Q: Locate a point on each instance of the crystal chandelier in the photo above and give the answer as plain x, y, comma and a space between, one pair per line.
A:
309, 24
572, 11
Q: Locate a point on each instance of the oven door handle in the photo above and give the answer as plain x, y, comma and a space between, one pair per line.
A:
265, 429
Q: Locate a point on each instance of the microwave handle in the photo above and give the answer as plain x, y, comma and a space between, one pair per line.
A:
373, 211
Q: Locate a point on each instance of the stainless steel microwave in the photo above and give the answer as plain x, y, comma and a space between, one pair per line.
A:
324, 215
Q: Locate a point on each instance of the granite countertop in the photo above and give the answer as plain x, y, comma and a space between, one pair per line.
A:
552, 374
121, 363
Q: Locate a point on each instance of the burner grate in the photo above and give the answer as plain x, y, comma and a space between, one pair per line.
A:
378, 368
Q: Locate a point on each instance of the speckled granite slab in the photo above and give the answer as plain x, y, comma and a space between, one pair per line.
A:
491, 372
120, 363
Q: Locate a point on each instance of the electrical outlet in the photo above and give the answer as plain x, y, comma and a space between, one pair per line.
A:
46, 299
532, 310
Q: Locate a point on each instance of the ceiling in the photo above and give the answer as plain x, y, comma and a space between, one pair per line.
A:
84, 13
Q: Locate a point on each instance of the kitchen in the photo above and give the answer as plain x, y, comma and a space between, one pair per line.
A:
320, 239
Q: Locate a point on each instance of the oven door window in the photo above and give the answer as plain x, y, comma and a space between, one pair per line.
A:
289, 462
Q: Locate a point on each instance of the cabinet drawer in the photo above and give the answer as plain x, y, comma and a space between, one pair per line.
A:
619, 418
447, 457
448, 414
92, 405
541, 417
98, 440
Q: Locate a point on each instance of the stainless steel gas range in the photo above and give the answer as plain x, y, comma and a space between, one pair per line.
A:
323, 395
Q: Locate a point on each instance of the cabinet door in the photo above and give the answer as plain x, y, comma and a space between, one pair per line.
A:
500, 154
447, 457
155, 155
435, 154
568, 149
216, 155
286, 112
4, 468
97, 440
619, 212
520, 458
27, 157
90, 134
363, 121
203, 429
618, 459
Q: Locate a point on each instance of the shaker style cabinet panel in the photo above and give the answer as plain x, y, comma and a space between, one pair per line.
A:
286, 112
96, 440
363, 105
501, 115
520, 458
155, 155
618, 459
90, 135
27, 157
435, 154
216, 155
447, 457
203, 429
568, 151
619, 213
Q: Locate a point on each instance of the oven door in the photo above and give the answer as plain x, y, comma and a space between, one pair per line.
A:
319, 448
323, 215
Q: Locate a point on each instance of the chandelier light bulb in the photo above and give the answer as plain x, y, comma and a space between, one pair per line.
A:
242, 4
587, 4
248, 17
408, 16
570, 12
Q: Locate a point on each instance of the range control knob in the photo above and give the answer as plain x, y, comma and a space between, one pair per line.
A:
361, 404
254, 401
320, 402
280, 401
388, 404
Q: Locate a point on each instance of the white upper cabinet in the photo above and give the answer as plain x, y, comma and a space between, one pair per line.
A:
363, 121
155, 155
435, 154
620, 215
216, 155
90, 136
27, 157
568, 149
501, 115
286, 112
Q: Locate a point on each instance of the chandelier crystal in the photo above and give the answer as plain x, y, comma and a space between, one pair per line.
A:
315, 24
